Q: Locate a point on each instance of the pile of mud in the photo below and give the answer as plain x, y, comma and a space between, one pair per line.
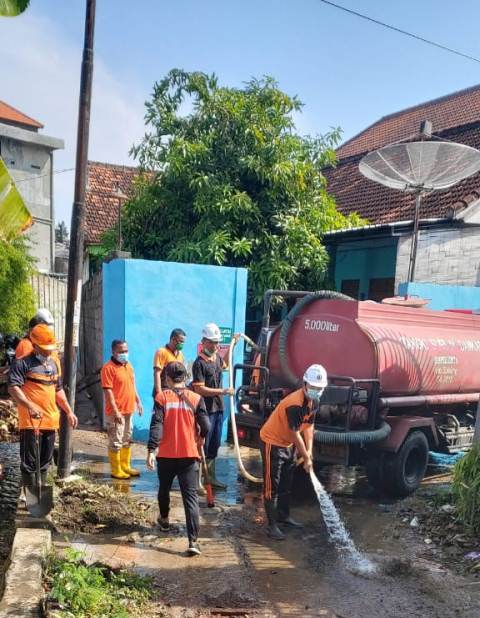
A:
82, 506
8, 421
433, 515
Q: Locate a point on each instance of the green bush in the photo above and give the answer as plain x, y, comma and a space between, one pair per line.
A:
466, 489
95, 591
17, 304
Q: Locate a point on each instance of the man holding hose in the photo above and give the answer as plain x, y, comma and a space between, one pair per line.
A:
289, 431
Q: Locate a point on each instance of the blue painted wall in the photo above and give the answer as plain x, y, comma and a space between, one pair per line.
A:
144, 300
444, 296
365, 260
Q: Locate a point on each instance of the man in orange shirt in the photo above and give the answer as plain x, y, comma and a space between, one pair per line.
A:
179, 425
35, 384
289, 429
170, 353
25, 347
121, 400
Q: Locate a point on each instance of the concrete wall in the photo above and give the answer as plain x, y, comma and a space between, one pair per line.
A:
29, 158
144, 300
444, 296
91, 339
447, 256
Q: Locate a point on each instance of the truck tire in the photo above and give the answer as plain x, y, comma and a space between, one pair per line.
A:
405, 469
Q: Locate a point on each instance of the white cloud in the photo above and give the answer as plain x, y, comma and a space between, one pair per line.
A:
41, 76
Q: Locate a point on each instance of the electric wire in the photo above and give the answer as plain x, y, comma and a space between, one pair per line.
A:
55, 172
400, 31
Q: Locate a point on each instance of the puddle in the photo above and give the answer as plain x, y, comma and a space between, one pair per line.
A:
9, 490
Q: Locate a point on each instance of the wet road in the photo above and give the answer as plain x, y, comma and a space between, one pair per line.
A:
9, 489
303, 576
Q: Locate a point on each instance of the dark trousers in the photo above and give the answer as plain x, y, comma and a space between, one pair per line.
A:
27, 450
187, 471
214, 435
278, 469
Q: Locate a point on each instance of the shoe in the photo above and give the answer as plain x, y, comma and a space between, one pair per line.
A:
288, 521
275, 533
163, 524
116, 468
216, 484
125, 460
194, 548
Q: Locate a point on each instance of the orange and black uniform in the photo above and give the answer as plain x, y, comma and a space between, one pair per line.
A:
179, 417
293, 413
162, 357
39, 381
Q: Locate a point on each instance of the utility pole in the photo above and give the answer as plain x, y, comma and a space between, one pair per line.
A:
75, 261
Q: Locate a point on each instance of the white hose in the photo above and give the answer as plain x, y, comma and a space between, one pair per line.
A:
243, 471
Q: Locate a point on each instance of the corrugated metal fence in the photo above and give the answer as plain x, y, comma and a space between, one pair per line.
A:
51, 293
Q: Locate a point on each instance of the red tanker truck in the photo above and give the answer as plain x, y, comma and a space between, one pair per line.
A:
402, 381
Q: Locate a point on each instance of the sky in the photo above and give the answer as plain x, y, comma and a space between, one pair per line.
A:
348, 72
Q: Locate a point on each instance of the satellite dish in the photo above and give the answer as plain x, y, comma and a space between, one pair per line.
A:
420, 167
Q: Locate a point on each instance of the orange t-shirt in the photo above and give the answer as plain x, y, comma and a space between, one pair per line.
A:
179, 424
293, 413
162, 357
120, 378
39, 382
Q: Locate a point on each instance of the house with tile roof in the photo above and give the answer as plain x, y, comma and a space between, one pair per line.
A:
28, 154
372, 261
102, 205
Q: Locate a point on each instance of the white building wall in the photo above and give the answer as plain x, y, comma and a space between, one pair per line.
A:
449, 256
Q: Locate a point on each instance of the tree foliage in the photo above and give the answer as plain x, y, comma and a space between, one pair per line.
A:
12, 8
17, 303
230, 182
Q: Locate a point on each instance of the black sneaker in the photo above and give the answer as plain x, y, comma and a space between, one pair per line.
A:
194, 548
163, 524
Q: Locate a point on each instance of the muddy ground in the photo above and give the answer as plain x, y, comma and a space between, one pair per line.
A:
241, 572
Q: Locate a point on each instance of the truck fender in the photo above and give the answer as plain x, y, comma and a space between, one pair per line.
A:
402, 426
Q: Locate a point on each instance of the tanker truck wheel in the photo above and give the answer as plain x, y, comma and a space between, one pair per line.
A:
405, 469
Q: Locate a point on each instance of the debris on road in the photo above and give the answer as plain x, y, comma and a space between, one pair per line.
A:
8, 421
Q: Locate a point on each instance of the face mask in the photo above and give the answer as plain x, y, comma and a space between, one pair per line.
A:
208, 352
313, 394
179, 346
42, 358
122, 357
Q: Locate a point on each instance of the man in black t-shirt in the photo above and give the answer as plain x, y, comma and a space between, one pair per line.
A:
207, 382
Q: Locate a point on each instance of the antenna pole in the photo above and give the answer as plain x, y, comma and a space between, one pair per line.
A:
413, 249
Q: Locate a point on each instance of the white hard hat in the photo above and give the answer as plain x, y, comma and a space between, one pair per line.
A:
212, 332
45, 316
316, 375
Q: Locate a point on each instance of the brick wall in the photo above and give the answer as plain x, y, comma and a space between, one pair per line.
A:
450, 256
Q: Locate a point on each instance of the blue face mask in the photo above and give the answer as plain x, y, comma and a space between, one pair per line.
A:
313, 394
122, 357
42, 358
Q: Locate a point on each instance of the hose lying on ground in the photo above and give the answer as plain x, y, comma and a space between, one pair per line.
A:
243, 470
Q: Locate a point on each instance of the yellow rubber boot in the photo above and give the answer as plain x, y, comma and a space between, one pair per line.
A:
125, 459
116, 468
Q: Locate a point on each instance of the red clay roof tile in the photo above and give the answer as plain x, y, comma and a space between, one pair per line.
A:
10, 114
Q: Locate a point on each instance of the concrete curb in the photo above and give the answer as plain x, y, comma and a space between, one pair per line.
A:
23, 580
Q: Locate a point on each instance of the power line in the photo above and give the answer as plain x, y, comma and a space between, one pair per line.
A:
55, 172
395, 29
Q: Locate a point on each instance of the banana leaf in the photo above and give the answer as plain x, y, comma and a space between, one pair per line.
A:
12, 8
15, 217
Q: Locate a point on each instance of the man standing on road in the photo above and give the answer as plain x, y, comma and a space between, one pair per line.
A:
25, 347
35, 384
207, 382
121, 400
171, 352
178, 428
287, 432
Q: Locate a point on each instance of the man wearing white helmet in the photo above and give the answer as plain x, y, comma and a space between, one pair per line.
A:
289, 430
25, 347
207, 382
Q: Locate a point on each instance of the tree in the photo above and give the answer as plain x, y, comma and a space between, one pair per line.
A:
17, 303
61, 232
232, 183
12, 8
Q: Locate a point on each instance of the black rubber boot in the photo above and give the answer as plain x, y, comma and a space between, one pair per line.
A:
288, 521
43, 477
28, 479
273, 530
